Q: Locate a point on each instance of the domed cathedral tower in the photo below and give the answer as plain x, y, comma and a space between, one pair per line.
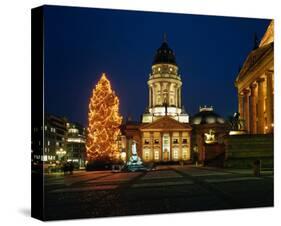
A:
165, 87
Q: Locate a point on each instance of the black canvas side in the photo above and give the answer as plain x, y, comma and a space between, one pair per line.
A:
37, 116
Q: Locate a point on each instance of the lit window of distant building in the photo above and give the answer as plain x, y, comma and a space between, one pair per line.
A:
156, 155
146, 155
176, 154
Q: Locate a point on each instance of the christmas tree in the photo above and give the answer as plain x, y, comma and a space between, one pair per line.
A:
104, 122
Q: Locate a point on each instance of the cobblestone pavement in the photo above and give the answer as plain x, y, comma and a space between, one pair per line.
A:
167, 189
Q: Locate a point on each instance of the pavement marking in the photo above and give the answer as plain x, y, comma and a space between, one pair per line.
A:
80, 189
161, 175
210, 174
107, 180
232, 179
157, 184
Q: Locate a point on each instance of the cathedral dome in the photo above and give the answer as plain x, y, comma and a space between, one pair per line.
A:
206, 115
164, 55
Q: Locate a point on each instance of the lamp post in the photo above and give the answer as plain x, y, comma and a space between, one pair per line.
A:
60, 153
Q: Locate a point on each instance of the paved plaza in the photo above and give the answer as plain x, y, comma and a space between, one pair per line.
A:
164, 190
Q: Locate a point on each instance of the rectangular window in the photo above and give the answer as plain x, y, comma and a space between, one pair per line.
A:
156, 155
184, 141
146, 141
184, 155
156, 141
146, 155
176, 154
175, 141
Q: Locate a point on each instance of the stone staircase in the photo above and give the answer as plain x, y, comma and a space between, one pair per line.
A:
242, 150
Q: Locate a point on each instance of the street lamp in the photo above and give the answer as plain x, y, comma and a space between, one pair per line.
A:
60, 153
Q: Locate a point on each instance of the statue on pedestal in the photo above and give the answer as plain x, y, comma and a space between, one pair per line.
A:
134, 159
135, 162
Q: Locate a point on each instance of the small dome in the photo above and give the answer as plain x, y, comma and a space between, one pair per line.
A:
164, 55
206, 116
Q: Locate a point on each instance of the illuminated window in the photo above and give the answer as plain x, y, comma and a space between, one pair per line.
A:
48, 143
176, 154
73, 130
156, 141
57, 143
184, 155
156, 155
175, 141
159, 69
146, 155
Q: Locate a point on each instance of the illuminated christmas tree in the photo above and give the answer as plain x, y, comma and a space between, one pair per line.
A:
103, 122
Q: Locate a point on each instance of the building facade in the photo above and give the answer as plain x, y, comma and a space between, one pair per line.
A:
166, 139
164, 133
63, 141
55, 132
75, 144
255, 86
208, 137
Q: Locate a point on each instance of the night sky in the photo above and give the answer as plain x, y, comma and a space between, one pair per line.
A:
81, 43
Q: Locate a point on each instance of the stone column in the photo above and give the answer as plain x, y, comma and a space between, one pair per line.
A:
168, 94
154, 93
149, 96
161, 93
246, 109
180, 146
176, 95
269, 101
240, 104
161, 147
260, 127
179, 97
171, 146
253, 113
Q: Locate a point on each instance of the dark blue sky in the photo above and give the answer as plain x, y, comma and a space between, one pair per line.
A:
81, 43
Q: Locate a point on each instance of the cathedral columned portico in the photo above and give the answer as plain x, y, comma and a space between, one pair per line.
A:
166, 140
255, 85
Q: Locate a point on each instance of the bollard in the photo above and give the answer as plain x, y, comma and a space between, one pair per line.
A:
257, 168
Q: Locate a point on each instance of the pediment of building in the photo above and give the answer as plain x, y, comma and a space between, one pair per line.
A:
253, 59
166, 123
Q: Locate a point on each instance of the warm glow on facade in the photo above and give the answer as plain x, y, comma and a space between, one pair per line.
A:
103, 122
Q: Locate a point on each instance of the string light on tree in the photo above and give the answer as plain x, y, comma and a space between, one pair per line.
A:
103, 122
